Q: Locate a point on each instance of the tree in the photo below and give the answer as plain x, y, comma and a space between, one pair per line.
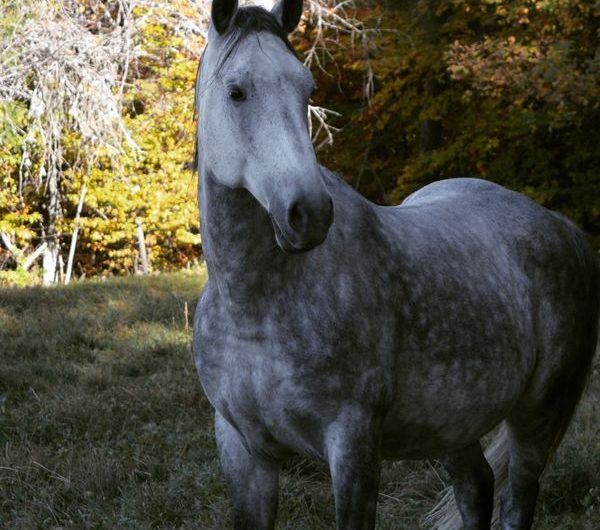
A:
64, 88
69, 70
515, 88
99, 95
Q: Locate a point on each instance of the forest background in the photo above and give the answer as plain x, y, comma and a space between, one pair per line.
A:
97, 116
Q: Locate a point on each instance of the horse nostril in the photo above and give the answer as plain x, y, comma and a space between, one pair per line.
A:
300, 215
296, 217
329, 215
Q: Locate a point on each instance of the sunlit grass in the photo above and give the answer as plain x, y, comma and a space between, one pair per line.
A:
103, 424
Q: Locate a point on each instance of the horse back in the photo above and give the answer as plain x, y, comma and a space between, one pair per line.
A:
499, 294
527, 250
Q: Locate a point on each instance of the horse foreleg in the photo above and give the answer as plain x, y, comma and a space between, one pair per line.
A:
353, 449
253, 481
473, 485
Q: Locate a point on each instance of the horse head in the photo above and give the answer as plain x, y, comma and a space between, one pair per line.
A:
252, 101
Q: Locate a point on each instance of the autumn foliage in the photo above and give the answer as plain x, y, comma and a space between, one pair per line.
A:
505, 90
136, 172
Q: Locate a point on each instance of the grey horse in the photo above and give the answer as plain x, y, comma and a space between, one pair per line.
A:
348, 332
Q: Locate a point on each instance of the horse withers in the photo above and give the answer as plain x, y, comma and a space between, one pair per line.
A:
351, 333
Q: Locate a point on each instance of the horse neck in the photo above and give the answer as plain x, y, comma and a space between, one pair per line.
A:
238, 242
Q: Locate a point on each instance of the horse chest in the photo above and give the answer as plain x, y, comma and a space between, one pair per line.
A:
263, 397
280, 384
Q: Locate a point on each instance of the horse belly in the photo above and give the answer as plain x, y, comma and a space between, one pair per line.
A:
468, 347
445, 406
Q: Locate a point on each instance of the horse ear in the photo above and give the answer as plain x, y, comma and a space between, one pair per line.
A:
223, 14
288, 13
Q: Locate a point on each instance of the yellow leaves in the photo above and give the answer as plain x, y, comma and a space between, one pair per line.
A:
186, 237
501, 11
458, 72
522, 16
154, 186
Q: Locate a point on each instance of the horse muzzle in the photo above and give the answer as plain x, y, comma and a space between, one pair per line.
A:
303, 223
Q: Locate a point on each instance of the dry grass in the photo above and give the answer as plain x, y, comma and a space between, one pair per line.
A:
103, 424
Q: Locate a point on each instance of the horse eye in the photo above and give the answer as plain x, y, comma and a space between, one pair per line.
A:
237, 94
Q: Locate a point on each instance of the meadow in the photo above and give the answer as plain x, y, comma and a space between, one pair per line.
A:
103, 424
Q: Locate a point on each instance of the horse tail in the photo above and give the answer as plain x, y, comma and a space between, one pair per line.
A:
445, 514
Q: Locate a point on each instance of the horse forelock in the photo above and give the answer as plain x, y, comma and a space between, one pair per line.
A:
255, 19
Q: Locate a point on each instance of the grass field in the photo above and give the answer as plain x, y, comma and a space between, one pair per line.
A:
103, 424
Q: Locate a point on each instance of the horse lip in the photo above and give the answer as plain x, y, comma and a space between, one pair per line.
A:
283, 242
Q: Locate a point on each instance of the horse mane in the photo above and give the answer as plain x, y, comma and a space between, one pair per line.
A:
249, 19
254, 19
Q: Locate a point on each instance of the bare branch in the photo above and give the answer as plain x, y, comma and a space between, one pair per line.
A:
34, 255
70, 64
318, 116
16, 252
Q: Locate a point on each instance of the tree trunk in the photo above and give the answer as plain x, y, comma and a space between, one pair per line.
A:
50, 258
74, 236
430, 129
142, 247
49, 261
